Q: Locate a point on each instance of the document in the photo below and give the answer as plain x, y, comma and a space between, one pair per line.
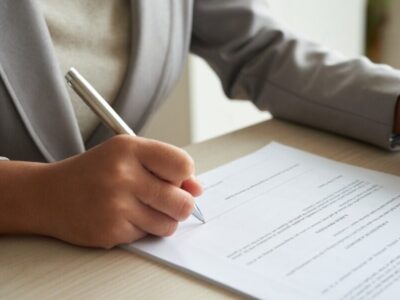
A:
286, 224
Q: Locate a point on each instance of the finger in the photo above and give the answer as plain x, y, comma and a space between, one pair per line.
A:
166, 161
152, 221
123, 232
192, 186
137, 234
129, 233
163, 196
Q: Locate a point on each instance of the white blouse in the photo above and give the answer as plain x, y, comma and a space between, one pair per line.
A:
94, 37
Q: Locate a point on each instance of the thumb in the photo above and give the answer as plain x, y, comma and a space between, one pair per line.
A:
192, 186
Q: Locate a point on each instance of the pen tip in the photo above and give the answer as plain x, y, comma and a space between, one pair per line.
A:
198, 214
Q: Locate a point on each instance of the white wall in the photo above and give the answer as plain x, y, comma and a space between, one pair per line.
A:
338, 24
172, 122
391, 41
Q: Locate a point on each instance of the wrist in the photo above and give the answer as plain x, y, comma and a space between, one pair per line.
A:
22, 187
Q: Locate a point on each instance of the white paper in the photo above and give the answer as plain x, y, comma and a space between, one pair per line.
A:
286, 224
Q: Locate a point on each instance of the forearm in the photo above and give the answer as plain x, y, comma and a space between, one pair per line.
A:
22, 188
258, 58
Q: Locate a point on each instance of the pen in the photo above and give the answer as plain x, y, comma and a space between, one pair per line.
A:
105, 112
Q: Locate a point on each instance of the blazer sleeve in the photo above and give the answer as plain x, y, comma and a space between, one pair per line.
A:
257, 58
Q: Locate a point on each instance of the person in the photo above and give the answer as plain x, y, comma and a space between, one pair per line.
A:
133, 51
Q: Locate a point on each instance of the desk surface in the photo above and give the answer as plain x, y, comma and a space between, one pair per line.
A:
41, 268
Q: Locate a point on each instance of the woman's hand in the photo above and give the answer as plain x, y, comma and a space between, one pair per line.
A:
112, 194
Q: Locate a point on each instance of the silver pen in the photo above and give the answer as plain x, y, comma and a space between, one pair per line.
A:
105, 112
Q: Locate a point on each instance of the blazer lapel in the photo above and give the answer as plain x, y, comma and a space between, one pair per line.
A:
151, 29
31, 73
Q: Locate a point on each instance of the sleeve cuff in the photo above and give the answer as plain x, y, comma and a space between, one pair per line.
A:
3, 158
395, 142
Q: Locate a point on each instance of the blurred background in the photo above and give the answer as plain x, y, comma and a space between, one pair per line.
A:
198, 110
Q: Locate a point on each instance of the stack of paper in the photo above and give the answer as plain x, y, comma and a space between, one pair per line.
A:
285, 224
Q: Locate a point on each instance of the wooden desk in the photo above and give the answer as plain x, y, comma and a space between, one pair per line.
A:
40, 268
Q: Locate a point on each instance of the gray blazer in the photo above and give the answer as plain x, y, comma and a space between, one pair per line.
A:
255, 57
